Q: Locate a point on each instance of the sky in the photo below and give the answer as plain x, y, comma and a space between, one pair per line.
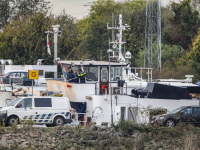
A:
76, 8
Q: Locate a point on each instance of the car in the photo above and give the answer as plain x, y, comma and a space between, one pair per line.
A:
42, 110
19, 77
184, 114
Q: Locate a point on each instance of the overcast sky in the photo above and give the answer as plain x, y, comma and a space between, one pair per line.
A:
76, 8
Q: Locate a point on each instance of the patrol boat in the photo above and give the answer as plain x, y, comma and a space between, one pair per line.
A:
106, 94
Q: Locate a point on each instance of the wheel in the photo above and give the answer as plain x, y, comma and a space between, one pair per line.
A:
170, 123
28, 84
58, 121
12, 120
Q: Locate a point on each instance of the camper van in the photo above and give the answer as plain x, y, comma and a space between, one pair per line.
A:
42, 110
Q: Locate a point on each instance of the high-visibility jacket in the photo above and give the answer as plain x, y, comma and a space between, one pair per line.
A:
82, 74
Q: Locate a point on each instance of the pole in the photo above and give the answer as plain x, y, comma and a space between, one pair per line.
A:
55, 50
32, 87
110, 93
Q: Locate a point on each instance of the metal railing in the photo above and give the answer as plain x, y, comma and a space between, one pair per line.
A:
18, 81
75, 117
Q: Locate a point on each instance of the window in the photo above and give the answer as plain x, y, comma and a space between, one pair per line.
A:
41, 72
43, 102
24, 74
115, 73
27, 102
12, 103
196, 110
187, 111
91, 73
104, 75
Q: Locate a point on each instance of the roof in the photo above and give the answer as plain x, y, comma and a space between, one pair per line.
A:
91, 63
17, 71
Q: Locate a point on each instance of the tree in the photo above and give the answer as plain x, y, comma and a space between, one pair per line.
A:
184, 24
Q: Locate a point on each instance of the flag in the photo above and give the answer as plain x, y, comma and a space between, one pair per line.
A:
48, 45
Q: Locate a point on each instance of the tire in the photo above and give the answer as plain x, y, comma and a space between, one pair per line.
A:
170, 123
58, 121
12, 120
28, 84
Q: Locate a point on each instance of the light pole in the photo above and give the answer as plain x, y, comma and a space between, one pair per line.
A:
109, 51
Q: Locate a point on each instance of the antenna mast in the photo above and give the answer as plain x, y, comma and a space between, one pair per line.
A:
117, 44
152, 56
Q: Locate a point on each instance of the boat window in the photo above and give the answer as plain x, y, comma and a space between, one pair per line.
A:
104, 75
116, 73
65, 70
91, 73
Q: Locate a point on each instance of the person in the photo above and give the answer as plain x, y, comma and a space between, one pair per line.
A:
81, 76
75, 77
69, 74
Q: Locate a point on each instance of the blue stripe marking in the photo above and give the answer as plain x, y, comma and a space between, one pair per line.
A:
37, 116
43, 116
49, 115
67, 114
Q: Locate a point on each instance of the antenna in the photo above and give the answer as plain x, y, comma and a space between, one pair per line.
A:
152, 56
117, 44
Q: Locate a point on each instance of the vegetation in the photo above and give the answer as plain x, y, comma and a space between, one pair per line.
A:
24, 23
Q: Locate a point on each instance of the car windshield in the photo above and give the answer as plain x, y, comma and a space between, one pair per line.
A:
5, 75
14, 102
175, 110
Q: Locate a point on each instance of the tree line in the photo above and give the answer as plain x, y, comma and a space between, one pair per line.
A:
24, 22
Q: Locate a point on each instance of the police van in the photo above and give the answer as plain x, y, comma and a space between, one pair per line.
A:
42, 110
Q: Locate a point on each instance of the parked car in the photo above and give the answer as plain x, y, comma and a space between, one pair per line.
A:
19, 77
43, 110
185, 114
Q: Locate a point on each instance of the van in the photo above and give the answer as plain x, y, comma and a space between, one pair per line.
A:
42, 110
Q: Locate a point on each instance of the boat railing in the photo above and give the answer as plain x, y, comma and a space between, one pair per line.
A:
140, 71
115, 90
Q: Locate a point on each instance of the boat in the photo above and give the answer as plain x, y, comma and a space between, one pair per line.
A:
111, 92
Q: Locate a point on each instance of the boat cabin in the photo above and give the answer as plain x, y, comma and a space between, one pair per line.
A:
97, 72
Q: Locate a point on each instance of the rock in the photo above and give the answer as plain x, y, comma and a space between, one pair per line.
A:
64, 132
34, 135
137, 136
80, 141
10, 141
94, 128
117, 134
23, 140
24, 145
3, 143
102, 143
72, 148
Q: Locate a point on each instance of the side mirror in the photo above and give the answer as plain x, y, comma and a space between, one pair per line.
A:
181, 113
19, 105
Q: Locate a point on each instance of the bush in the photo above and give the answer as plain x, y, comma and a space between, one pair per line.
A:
127, 127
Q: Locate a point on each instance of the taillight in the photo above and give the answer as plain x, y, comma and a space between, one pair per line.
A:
70, 111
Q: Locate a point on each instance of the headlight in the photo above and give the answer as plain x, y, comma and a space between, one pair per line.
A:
3, 112
161, 118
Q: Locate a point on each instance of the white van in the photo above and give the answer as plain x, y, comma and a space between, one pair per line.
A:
43, 110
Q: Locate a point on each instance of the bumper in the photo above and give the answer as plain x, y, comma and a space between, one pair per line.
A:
68, 121
3, 117
157, 122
